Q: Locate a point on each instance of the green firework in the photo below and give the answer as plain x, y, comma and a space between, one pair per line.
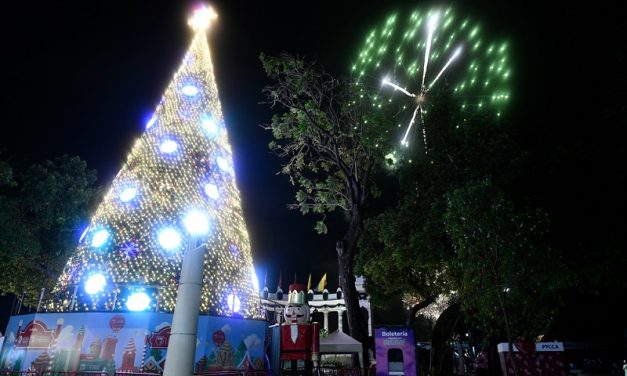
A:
392, 68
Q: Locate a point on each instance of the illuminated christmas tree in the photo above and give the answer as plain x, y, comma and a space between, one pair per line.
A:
176, 191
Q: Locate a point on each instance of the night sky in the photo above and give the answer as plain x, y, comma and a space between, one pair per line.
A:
82, 78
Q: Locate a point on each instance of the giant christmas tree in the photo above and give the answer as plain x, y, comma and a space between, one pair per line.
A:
178, 182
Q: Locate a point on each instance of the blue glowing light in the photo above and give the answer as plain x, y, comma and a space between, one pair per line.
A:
169, 239
151, 122
210, 126
190, 90
168, 146
99, 238
128, 194
196, 222
138, 301
212, 191
95, 283
234, 303
223, 164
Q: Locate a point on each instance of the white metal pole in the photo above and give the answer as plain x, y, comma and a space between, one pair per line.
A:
41, 297
115, 299
73, 298
182, 344
19, 306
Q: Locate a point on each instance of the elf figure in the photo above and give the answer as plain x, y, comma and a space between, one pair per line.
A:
300, 340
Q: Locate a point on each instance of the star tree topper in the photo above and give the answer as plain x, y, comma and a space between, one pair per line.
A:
202, 18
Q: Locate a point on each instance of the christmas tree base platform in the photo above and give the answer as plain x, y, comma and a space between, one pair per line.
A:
126, 342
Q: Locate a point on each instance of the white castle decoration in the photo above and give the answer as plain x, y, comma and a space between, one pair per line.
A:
330, 305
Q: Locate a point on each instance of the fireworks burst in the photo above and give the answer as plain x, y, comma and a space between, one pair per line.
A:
409, 58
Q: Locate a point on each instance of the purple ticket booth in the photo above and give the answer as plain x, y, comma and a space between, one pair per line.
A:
395, 351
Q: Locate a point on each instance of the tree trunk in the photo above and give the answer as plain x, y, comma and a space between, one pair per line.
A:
357, 326
346, 249
442, 332
494, 362
510, 337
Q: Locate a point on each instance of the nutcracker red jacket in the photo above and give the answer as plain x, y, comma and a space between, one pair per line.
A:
307, 341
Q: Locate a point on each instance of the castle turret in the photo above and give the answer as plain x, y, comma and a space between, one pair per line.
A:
75, 354
265, 290
128, 357
279, 290
59, 327
41, 363
108, 348
80, 337
201, 366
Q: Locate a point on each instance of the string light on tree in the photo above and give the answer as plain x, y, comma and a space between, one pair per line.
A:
411, 58
177, 185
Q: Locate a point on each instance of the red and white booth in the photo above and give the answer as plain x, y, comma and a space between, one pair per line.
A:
534, 359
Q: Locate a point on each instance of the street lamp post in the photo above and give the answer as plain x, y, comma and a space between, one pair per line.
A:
182, 344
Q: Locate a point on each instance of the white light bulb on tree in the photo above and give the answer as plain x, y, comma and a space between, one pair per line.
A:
95, 284
138, 301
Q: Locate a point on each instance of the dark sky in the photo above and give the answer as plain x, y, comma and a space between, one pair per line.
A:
82, 77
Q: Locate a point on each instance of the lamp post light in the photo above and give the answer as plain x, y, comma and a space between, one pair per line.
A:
182, 343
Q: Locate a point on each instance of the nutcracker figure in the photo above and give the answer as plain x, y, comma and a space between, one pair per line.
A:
300, 340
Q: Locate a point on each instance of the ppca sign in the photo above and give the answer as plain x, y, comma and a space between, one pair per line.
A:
540, 347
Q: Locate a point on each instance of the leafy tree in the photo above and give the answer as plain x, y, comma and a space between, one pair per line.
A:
40, 213
328, 138
392, 264
405, 248
508, 277
6, 174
